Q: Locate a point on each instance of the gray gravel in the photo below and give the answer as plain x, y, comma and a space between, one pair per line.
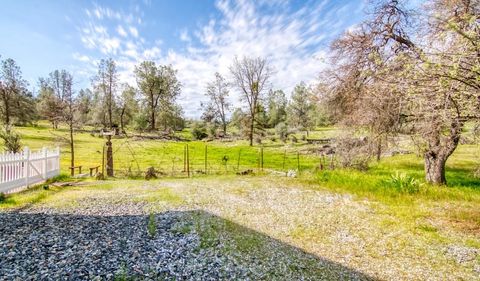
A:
101, 243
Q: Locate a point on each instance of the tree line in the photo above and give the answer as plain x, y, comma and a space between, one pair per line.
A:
264, 108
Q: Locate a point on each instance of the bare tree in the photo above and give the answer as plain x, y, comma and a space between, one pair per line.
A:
415, 71
218, 105
250, 76
60, 83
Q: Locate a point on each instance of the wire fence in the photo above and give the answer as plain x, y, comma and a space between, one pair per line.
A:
188, 160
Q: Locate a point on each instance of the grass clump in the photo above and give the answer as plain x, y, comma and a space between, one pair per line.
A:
152, 226
403, 183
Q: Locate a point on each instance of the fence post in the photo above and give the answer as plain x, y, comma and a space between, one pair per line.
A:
206, 155
26, 165
44, 166
188, 162
261, 158
238, 159
284, 156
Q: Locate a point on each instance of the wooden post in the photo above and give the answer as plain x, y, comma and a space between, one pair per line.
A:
284, 157
206, 157
188, 162
26, 166
109, 157
261, 158
238, 159
103, 160
185, 158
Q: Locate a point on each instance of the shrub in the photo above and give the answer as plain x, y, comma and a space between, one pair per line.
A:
199, 131
2, 197
404, 183
11, 140
282, 131
352, 152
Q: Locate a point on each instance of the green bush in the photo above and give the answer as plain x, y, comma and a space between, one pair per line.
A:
199, 131
11, 140
404, 183
2, 197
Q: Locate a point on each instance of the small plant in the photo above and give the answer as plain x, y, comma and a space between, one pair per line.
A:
121, 274
11, 140
404, 183
46, 187
151, 227
3, 197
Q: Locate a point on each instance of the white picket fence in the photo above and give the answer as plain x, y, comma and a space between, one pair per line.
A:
18, 170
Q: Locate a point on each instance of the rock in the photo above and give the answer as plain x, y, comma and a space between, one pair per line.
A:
462, 254
292, 174
246, 172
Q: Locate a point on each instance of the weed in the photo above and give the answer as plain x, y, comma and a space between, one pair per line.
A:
403, 183
152, 226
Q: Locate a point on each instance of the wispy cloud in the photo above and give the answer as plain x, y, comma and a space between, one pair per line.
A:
293, 41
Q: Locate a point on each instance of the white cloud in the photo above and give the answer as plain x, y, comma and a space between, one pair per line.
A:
121, 31
293, 41
133, 31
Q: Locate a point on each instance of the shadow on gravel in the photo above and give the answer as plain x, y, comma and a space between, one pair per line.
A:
189, 245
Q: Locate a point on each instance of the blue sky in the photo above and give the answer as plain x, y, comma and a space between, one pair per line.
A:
198, 37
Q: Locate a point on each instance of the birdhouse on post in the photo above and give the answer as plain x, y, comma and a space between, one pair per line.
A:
109, 164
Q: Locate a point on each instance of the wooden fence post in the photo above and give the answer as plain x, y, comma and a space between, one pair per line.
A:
238, 159
185, 158
284, 157
206, 157
261, 158
26, 165
188, 162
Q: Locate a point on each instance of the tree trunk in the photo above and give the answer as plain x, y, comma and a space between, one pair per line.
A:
224, 128
379, 149
435, 168
252, 121
121, 120
152, 119
7, 109
72, 151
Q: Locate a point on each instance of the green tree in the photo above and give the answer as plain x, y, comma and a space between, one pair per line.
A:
300, 108
16, 102
106, 83
276, 107
160, 87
